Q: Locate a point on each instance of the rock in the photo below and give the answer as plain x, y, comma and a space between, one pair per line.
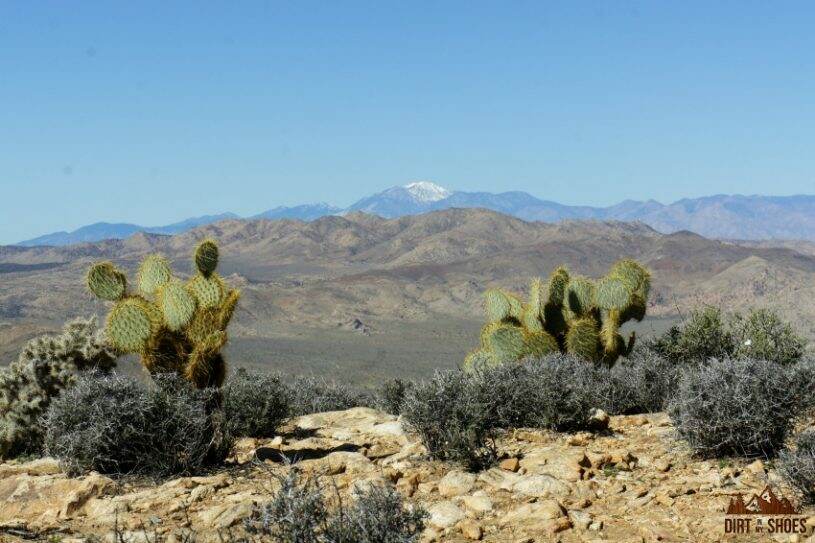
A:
541, 486
479, 503
580, 519
662, 465
471, 530
498, 478
598, 420
555, 526
756, 467
456, 483
90, 487
444, 514
534, 512
510, 464
40, 466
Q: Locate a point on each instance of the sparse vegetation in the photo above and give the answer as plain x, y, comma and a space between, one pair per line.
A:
798, 465
569, 314
454, 419
300, 513
738, 407
175, 327
115, 425
641, 383
46, 366
256, 404
315, 395
391, 394
761, 334
709, 333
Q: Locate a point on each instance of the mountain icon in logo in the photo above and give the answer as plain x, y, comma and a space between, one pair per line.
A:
766, 503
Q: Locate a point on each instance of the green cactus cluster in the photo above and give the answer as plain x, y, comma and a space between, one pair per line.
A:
176, 327
568, 314
46, 366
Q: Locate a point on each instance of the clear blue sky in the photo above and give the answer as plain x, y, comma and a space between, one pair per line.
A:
153, 112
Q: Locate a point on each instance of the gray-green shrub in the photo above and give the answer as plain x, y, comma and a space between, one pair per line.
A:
711, 333
454, 418
310, 394
256, 403
798, 465
117, 425
738, 407
761, 334
300, 513
46, 366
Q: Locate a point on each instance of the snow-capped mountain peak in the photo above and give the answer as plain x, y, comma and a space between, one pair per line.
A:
425, 191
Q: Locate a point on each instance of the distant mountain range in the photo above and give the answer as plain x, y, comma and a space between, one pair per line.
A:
720, 216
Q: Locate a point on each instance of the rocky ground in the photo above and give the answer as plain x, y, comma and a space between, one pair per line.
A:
633, 483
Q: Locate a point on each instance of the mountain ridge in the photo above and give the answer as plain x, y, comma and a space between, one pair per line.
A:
721, 216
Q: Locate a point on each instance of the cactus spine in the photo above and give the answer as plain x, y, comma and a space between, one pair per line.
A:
174, 326
569, 314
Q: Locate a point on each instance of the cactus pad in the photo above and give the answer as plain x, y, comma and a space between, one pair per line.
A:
106, 281
539, 344
154, 272
130, 325
207, 290
583, 339
580, 296
612, 293
177, 304
206, 257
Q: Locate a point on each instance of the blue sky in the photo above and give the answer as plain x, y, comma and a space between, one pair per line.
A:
153, 112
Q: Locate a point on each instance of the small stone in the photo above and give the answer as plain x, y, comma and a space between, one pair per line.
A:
535, 512
662, 465
478, 503
756, 467
456, 483
510, 464
557, 525
471, 530
598, 420
541, 486
444, 514
580, 519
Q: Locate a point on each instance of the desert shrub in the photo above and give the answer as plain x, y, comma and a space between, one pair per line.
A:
314, 395
798, 465
255, 404
737, 407
300, 513
702, 336
46, 366
391, 394
761, 334
642, 383
711, 333
455, 419
558, 392
117, 425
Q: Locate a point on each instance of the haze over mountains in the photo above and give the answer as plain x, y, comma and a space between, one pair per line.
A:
721, 216
415, 282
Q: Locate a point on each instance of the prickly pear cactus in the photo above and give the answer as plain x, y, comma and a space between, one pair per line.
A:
174, 326
569, 314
